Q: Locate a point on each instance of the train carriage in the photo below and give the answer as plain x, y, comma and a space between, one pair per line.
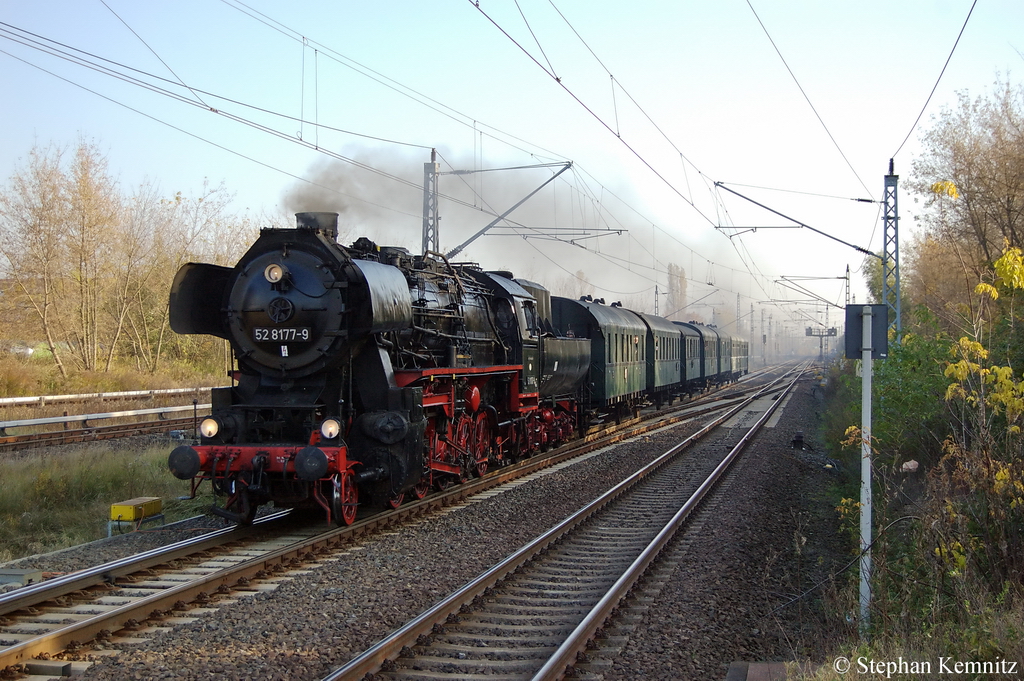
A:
740, 357
725, 357
618, 359
664, 357
692, 346
709, 364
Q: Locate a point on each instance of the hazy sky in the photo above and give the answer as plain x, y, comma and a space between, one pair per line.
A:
654, 102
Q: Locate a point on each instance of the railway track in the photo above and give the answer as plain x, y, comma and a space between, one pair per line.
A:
94, 433
164, 584
531, 615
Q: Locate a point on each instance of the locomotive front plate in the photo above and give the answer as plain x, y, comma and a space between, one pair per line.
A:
262, 334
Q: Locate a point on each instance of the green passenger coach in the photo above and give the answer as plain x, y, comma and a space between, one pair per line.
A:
664, 357
618, 352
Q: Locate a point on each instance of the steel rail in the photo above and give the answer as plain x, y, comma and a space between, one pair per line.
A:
371, 660
33, 594
154, 606
563, 658
166, 599
81, 418
103, 397
108, 573
58, 437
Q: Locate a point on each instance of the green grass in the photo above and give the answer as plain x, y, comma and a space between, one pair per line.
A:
52, 501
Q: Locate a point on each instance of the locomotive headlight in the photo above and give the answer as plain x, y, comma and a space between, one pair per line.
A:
209, 427
274, 273
330, 429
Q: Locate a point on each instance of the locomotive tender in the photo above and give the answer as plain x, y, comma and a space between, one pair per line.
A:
365, 373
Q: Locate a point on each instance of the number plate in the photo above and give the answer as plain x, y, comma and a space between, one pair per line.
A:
293, 334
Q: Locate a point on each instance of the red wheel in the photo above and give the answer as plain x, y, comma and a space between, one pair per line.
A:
344, 499
396, 501
464, 447
481, 444
463, 433
421, 488
240, 504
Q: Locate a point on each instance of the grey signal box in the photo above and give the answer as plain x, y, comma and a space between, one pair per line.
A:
879, 331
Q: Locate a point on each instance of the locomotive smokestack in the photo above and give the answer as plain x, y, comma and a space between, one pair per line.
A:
326, 223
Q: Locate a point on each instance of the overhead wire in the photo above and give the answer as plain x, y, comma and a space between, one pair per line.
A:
806, 97
387, 82
42, 44
46, 45
795, 191
150, 86
683, 158
380, 78
626, 92
67, 53
199, 137
593, 114
937, 80
148, 47
448, 111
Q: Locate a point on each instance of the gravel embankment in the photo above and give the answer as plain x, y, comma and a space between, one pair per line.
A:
743, 564
115, 547
773, 536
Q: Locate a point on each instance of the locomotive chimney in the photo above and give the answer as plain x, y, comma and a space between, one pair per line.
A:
326, 223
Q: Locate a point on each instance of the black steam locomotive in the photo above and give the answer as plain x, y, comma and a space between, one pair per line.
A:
365, 373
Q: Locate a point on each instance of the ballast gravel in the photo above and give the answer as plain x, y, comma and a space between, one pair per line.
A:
773, 536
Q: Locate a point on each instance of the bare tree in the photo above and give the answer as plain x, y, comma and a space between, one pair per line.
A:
34, 210
94, 269
676, 302
573, 286
92, 231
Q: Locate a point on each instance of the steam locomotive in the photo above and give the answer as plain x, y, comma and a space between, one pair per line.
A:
366, 374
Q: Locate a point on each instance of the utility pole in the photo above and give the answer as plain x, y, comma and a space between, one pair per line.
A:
864, 622
826, 349
847, 285
867, 340
431, 238
431, 235
891, 253
764, 338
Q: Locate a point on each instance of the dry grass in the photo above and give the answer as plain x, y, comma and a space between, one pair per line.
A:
53, 500
28, 376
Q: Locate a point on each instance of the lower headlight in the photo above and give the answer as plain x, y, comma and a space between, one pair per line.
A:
330, 429
209, 427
